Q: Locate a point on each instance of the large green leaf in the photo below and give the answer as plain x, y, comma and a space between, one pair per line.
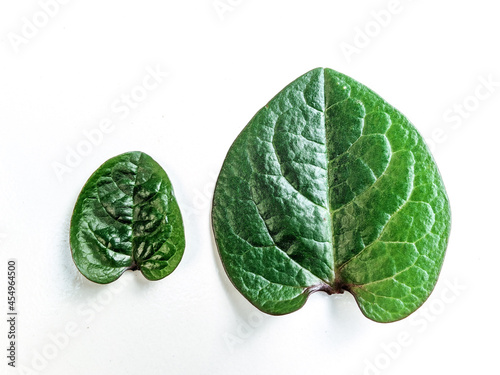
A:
330, 188
126, 217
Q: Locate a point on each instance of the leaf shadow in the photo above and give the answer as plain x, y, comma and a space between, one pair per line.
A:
241, 306
73, 279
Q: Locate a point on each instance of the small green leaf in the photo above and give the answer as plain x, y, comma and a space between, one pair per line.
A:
330, 188
126, 217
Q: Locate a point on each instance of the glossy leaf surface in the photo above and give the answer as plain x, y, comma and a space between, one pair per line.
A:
126, 217
330, 188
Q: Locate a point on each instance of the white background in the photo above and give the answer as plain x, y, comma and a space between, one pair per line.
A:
70, 73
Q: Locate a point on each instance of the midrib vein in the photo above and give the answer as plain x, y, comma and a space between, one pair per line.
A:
328, 202
134, 249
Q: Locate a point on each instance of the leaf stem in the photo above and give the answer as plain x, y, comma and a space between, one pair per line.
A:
327, 288
133, 267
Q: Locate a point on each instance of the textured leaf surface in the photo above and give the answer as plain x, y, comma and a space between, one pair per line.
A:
330, 188
126, 217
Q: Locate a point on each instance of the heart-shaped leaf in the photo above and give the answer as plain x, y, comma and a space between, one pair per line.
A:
126, 217
330, 188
